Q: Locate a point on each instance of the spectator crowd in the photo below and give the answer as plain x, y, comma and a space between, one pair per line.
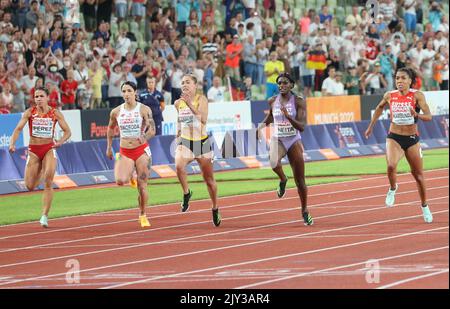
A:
82, 50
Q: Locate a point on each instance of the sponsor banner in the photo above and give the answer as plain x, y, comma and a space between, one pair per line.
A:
437, 101
333, 109
259, 111
368, 105
73, 119
64, 181
8, 124
164, 171
345, 135
95, 124
222, 117
251, 162
329, 154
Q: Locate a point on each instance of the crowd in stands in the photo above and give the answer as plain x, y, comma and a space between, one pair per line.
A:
82, 50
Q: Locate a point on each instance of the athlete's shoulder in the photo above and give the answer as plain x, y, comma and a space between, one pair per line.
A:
271, 100
115, 110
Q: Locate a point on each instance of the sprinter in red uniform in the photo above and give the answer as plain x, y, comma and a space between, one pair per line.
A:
41, 160
403, 139
136, 126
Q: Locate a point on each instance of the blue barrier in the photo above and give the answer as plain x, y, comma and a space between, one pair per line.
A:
83, 159
8, 168
308, 139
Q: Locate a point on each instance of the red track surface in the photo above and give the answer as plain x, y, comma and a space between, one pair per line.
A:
262, 243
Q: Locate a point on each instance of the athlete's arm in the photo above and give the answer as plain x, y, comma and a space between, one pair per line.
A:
420, 98
201, 112
300, 120
22, 122
110, 132
377, 114
267, 120
149, 123
64, 126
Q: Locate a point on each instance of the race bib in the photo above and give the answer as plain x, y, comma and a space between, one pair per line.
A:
42, 127
285, 129
401, 114
148, 151
130, 127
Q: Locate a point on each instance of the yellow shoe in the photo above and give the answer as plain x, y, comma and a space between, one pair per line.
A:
133, 182
144, 221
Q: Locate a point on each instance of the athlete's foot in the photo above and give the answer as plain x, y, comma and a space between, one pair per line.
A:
44, 221
390, 197
185, 204
427, 216
307, 219
282, 188
217, 218
144, 221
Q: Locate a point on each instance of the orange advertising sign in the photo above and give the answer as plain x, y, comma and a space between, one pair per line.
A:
333, 109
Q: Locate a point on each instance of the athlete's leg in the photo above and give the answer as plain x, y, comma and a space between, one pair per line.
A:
122, 169
49, 168
183, 156
295, 155
206, 166
142, 170
394, 153
33, 171
414, 156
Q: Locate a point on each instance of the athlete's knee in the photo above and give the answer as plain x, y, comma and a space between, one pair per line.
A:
301, 184
418, 175
210, 182
30, 186
391, 168
179, 168
121, 181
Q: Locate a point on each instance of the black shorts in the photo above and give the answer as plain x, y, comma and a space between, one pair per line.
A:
198, 148
405, 141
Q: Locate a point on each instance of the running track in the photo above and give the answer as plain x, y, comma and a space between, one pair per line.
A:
262, 243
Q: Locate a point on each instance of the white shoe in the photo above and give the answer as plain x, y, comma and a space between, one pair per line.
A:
44, 221
390, 197
427, 216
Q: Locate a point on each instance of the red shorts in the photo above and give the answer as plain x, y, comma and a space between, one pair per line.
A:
40, 150
135, 153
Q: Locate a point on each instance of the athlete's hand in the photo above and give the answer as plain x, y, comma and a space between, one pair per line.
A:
259, 134
142, 139
368, 132
413, 112
57, 144
12, 148
284, 111
109, 153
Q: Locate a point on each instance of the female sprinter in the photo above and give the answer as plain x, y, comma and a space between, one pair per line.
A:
288, 114
402, 140
136, 126
41, 160
193, 143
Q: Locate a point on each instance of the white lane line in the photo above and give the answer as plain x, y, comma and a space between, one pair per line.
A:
281, 257
387, 286
223, 197
199, 211
234, 246
203, 222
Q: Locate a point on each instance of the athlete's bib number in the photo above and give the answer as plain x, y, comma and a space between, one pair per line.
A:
42, 127
285, 130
